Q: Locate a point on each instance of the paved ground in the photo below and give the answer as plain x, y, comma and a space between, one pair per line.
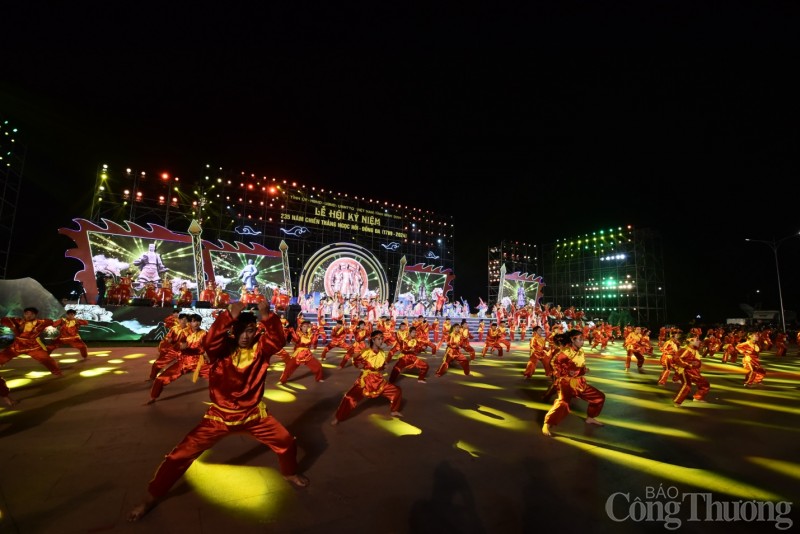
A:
468, 455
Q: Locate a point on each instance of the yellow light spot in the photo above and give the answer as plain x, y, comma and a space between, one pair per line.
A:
700, 478
292, 386
67, 360
781, 467
135, 356
479, 385
497, 418
603, 442
37, 374
279, 395
15, 383
116, 361
255, 493
653, 429
664, 406
472, 450
99, 352
89, 373
533, 405
394, 425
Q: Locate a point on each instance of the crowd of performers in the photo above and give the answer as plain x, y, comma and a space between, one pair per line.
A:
236, 351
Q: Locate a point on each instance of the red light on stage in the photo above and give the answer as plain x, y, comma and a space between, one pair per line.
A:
250, 187
138, 196
164, 176
174, 201
272, 190
126, 194
160, 200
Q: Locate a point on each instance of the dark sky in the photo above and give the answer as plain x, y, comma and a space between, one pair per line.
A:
570, 120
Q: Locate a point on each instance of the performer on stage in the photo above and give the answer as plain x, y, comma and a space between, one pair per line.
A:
189, 359
687, 365
570, 369
370, 382
169, 346
634, 348
453, 352
69, 335
669, 351
185, 296
537, 352
207, 295
303, 340
236, 386
410, 347
221, 298
359, 343
338, 334
749, 351
27, 330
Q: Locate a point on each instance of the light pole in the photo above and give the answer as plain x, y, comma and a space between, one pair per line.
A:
774, 246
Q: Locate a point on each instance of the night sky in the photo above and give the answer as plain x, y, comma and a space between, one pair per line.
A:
570, 122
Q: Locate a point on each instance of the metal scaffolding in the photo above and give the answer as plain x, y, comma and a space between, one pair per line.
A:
12, 164
616, 275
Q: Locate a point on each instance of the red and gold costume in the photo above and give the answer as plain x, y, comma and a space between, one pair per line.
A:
569, 366
410, 347
780, 344
303, 339
236, 387
453, 353
164, 297
208, 294
26, 341
669, 350
633, 344
687, 365
185, 297
370, 383
749, 351
221, 298
537, 352
493, 341
481, 329
320, 330
169, 347
338, 334
69, 335
359, 344
189, 358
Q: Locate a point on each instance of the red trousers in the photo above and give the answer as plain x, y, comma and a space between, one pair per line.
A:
267, 430
356, 393
407, 361
40, 355
560, 409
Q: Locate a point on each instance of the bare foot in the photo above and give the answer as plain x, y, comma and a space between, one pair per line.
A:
140, 510
546, 430
334, 422
298, 481
10, 401
397, 414
593, 421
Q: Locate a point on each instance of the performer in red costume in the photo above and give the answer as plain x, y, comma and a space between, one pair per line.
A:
189, 359
169, 346
749, 351
370, 382
303, 340
236, 385
570, 368
410, 347
359, 343
338, 334
68, 334
184, 296
453, 352
208, 294
669, 350
634, 346
687, 364
26, 332
537, 348
221, 298
493, 337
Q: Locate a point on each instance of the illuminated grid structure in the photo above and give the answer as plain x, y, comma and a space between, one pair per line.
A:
517, 256
12, 163
244, 207
613, 274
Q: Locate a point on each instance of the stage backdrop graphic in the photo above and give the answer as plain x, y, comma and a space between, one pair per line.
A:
345, 268
522, 288
420, 283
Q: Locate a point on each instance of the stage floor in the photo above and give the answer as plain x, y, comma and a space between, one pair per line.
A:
468, 455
